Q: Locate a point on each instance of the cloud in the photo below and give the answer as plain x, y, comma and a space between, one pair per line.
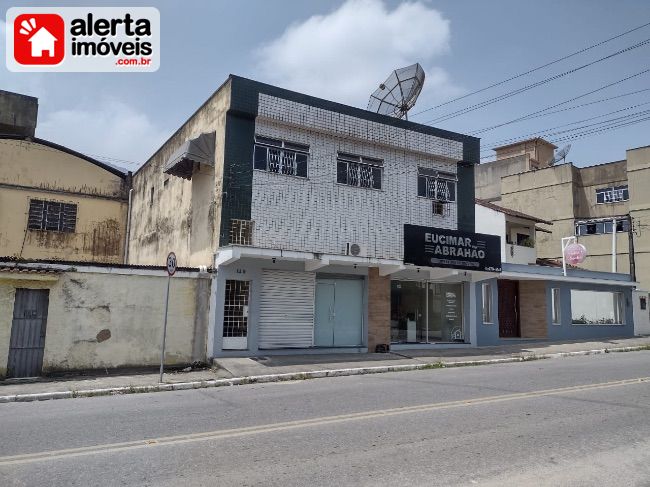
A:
112, 132
345, 54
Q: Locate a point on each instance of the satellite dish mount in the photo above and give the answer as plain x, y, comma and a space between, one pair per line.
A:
398, 94
560, 155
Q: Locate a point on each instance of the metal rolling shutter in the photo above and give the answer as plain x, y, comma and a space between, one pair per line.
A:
286, 309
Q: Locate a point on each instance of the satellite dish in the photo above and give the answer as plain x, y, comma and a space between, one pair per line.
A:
560, 155
397, 95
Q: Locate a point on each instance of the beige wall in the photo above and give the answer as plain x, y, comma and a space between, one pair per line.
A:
183, 215
131, 307
638, 167
29, 170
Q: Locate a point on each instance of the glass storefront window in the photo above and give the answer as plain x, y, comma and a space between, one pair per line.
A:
426, 312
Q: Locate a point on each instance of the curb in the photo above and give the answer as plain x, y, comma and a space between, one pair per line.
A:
290, 376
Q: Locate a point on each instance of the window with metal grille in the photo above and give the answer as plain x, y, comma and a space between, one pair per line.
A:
235, 309
359, 171
612, 194
241, 232
280, 157
439, 186
52, 215
598, 227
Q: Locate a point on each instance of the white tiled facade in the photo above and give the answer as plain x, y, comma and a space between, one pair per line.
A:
319, 215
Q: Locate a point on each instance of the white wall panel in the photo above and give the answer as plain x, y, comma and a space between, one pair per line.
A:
319, 215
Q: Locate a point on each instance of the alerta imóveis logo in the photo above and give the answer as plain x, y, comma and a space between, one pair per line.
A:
39, 39
75, 39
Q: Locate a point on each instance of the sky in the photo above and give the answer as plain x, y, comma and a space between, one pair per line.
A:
342, 50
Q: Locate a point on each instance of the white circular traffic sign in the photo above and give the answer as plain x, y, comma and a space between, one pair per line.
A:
171, 263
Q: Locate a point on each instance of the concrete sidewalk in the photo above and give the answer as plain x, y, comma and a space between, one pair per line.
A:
233, 371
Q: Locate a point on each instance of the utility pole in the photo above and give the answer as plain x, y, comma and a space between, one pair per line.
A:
630, 239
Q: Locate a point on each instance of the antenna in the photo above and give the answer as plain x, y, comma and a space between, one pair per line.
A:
398, 94
560, 155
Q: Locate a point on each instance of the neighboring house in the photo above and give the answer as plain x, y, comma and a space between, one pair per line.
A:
58, 204
531, 299
587, 202
42, 41
301, 205
62, 317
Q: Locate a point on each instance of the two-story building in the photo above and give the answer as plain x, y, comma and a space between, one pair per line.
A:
303, 206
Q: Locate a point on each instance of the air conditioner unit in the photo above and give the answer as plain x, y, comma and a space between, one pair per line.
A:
355, 249
440, 208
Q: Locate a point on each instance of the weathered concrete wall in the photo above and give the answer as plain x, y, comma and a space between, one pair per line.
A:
174, 214
130, 307
30, 170
487, 176
638, 168
18, 113
7, 295
555, 187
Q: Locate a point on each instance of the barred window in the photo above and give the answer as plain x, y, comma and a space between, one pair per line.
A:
280, 157
359, 171
52, 215
439, 186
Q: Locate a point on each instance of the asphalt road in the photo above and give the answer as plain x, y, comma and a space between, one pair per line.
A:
573, 421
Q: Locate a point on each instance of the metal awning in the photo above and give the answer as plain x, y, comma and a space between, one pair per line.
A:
193, 152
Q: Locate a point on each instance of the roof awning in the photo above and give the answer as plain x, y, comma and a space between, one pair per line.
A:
191, 154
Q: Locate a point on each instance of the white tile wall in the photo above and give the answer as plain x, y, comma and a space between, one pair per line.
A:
319, 215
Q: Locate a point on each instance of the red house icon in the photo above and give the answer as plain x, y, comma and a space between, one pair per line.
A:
39, 39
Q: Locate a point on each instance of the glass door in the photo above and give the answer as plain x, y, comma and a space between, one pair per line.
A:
426, 312
408, 311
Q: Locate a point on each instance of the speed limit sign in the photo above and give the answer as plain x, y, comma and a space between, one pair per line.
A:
171, 263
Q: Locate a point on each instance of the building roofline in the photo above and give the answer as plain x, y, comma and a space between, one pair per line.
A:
355, 111
534, 139
19, 94
180, 127
319, 102
67, 150
508, 211
9, 261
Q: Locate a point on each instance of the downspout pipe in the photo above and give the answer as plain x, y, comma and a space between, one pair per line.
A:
127, 237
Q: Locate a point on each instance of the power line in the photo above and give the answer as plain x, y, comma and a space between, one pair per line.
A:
541, 133
593, 131
510, 94
499, 83
530, 115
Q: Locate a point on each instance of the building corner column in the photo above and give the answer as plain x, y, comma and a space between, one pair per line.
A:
378, 309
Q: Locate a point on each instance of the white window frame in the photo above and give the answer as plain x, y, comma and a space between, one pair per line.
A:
486, 295
556, 303
288, 153
435, 181
357, 164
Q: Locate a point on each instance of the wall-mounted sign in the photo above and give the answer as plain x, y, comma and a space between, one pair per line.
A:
575, 253
439, 247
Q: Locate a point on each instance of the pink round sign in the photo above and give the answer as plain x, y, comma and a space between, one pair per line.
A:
575, 253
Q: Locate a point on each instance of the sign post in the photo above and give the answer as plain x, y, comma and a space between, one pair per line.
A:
171, 270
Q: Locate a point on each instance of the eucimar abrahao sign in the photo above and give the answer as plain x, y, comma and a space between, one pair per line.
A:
439, 247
